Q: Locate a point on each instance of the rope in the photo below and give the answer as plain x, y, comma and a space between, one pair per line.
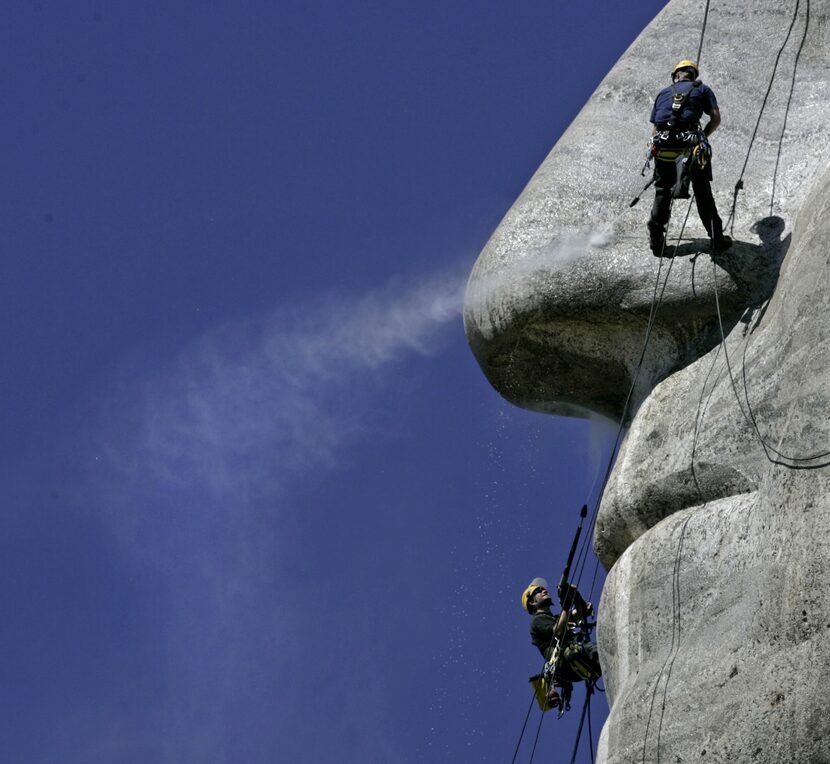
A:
657, 301
536, 739
655, 306
750, 416
789, 101
524, 727
701, 412
590, 735
676, 624
702, 32
673, 650
753, 422
657, 298
586, 704
583, 554
740, 183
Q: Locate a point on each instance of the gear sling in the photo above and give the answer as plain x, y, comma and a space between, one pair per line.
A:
683, 147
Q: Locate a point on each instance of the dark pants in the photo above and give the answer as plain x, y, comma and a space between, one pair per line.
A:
579, 660
665, 177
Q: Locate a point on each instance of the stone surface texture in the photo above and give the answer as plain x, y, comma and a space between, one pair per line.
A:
714, 625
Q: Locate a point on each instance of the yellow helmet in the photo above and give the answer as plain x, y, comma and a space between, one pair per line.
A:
685, 64
536, 583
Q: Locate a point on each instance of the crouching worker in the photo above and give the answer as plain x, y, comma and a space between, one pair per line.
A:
563, 640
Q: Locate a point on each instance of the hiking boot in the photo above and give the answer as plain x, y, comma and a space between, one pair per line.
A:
720, 244
553, 700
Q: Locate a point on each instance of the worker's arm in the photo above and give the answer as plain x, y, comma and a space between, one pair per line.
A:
713, 123
571, 599
561, 625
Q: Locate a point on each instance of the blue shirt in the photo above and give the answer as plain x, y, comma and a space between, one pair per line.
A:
701, 100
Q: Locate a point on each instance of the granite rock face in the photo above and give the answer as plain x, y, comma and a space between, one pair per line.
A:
714, 627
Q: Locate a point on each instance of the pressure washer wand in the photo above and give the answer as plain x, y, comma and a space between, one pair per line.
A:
561, 589
637, 198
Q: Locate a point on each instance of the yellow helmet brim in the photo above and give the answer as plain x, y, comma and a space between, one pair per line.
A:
685, 64
536, 583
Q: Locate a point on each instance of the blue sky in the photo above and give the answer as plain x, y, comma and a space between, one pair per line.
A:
261, 505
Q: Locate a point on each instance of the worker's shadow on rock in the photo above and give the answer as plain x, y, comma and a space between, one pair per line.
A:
754, 268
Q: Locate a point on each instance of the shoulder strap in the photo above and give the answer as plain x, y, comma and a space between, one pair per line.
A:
678, 100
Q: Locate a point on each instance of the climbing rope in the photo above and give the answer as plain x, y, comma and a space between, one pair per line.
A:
748, 414
589, 690
590, 733
524, 727
739, 184
702, 32
674, 647
789, 101
656, 302
676, 613
655, 305
536, 739
657, 298
701, 412
786, 460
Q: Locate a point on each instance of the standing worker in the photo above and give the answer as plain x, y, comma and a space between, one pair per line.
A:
682, 153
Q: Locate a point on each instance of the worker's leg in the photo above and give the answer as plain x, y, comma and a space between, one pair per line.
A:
665, 176
592, 657
706, 209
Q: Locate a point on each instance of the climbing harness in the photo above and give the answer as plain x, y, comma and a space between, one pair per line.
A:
678, 101
571, 661
669, 144
677, 141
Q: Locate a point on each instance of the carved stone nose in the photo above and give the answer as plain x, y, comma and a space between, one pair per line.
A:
558, 303
558, 314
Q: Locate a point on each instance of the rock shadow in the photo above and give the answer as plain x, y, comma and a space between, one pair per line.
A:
754, 268
769, 230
